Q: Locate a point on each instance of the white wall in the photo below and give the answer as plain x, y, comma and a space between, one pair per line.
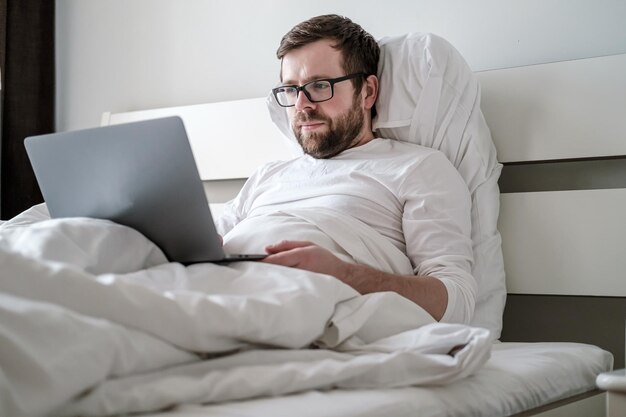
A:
124, 55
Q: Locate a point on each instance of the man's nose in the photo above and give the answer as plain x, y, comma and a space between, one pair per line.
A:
303, 102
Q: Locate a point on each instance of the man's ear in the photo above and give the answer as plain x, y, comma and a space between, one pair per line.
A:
371, 91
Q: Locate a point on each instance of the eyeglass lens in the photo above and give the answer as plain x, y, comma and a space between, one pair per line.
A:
315, 91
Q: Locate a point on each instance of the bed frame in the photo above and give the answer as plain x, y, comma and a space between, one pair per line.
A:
560, 133
561, 136
563, 198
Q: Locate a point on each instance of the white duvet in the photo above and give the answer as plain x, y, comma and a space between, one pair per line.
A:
94, 321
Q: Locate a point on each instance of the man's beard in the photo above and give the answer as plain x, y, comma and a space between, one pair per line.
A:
342, 132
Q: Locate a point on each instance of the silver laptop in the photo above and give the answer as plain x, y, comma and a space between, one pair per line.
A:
141, 175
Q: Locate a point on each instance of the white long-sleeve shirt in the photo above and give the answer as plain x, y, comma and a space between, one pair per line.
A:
411, 195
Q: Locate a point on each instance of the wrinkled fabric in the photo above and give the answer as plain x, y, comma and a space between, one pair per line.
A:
94, 322
409, 197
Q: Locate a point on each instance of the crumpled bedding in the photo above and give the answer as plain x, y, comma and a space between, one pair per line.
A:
94, 321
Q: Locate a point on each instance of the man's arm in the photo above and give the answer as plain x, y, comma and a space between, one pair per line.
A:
428, 292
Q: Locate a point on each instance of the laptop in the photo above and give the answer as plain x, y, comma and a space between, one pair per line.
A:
142, 175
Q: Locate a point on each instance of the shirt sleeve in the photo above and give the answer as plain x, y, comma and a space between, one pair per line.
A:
437, 229
236, 210
228, 218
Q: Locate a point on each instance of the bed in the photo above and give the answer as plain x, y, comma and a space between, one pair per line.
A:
559, 161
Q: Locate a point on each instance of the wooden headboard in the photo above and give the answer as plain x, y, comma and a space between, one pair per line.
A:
560, 132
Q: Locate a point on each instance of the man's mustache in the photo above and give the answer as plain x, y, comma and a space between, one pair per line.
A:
308, 117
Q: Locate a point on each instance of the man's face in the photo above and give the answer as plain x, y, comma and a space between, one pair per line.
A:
327, 128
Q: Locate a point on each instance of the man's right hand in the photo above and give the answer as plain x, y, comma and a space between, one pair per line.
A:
309, 256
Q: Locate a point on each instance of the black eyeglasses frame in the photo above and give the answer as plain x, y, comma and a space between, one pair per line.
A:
331, 81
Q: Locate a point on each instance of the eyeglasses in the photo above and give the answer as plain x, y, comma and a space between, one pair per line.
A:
316, 91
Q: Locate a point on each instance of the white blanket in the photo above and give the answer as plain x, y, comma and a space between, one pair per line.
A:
94, 321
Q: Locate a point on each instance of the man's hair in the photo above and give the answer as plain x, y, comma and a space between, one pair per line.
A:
358, 48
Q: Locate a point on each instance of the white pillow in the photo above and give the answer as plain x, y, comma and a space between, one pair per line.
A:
429, 96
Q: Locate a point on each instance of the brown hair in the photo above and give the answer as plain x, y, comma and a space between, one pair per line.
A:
358, 48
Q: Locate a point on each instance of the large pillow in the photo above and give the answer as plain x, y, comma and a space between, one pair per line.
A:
429, 96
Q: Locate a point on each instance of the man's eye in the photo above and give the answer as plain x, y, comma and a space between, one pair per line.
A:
322, 85
287, 90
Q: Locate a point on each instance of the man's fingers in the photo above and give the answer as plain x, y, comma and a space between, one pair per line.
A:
286, 245
284, 259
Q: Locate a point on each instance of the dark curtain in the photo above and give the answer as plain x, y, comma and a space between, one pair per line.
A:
27, 101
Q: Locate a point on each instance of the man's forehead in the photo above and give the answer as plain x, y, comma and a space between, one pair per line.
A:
313, 61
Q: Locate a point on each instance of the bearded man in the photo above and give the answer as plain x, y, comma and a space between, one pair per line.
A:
377, 214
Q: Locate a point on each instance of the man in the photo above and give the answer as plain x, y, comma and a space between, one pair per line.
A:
411, 198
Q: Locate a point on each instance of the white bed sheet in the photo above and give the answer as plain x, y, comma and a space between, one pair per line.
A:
517, 377
94, 321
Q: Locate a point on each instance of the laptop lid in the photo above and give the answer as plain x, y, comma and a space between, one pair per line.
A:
141, 175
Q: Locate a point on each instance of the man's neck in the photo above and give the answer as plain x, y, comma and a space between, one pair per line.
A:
364, 137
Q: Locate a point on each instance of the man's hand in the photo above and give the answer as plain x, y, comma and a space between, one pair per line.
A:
428, 292
307, 255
